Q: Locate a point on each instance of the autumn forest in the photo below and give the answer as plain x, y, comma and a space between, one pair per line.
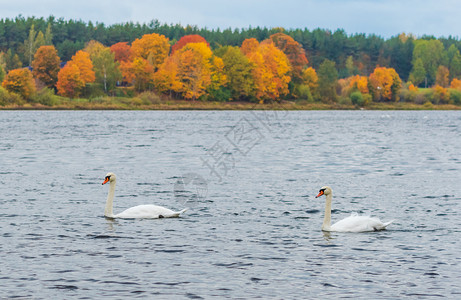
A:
55, 62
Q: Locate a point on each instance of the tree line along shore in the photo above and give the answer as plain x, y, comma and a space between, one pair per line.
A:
57, 64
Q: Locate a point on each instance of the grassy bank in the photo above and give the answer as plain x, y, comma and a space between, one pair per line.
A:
128, 104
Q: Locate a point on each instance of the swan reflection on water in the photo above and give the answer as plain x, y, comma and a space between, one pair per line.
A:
327, 236
110, 222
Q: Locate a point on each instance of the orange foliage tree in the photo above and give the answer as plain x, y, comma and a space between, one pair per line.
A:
191, 71
152, 47
122, 51
270, 69
441, 95
142, 73
294, 52
70, 83
249, 46
359, 83
456, 84
139, 73
20, 81
82, 60
46, 65
192, 74
198, 70
384, 84
412, 88
192, 38
126, 67
166, 78
441, 77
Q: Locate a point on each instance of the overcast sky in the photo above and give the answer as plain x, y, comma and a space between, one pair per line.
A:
382, 17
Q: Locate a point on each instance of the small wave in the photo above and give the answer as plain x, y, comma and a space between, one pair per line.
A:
170, 251
65, 287
120, 282
236, 265
424, 295
172, 283
193, 296
328, 284
326, 245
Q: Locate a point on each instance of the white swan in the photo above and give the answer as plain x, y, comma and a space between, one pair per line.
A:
352, 223
148, 211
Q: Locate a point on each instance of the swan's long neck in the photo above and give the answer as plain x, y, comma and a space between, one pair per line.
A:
327, 219
110, 200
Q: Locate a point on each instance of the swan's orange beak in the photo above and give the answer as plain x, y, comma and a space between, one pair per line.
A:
106, 180
320, 194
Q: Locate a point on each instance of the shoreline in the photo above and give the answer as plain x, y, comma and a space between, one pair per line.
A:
84, 104
198, 105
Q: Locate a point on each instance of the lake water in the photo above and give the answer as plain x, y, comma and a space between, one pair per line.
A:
249, 178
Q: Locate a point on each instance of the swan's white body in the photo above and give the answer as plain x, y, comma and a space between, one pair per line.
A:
147, 211
353, 223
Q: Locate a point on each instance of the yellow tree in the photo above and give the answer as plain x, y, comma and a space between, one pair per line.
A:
93, 47
260, 75
191, 71
270, 69
140, 72
194, 69
440, 95
359, 83
310, 78
20, 81
384, 84
82, 60
279, 67
218, 78
166, 78
152, 47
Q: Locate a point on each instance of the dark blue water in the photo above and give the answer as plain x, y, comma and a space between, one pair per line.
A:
253, 227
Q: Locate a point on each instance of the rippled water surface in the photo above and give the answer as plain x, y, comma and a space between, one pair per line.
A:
253, 227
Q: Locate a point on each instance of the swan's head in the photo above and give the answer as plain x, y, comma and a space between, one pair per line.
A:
324, 190
109, 177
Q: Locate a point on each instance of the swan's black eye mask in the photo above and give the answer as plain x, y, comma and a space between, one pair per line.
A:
106, 179
321, 192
